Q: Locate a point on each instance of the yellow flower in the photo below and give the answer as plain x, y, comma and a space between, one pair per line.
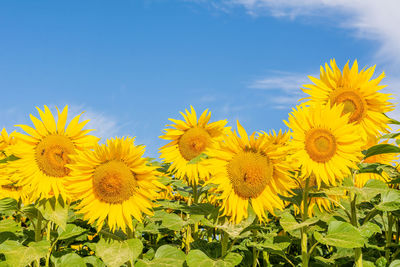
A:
8, 187
189, 139
249, 169
44, 152
324, 143
113, 181
359, 94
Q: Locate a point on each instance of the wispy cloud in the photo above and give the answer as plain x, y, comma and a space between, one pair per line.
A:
285, 85
106, 126
371, 19
286, 81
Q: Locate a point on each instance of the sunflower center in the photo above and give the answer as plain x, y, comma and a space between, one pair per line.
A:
320, 144
193, 142
249, 173
353, 103
52, 155
114, 182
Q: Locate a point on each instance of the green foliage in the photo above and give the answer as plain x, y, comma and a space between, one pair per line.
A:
115, 253
166, 255
197, 258
70, 231
54, 210
341, 234
381, 149
18, 255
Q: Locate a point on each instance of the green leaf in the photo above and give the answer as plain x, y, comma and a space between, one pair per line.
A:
8, 204
197, 258
115, 253
198, 158
289, 223
368, 229
172, 221
71, 230
393, 121
381, 262
381, 149
135, 246
296, 198
395, 263
9, 225
237, 230
55, 210
341, 234
9, 158
70, 259
272, 242
390, 201
18, 255
94, 261
166, 255
389, 136
368, 264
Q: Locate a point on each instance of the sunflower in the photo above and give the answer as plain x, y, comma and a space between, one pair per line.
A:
113, 181
8, 187
249, 169
189, 139
388, 158
359, 94
44, 152
324, 143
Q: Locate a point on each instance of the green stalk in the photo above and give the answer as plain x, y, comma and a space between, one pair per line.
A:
38, 232
305, 257
188, 229
388, 236
357, 251
224, 243
38, 228
255, 257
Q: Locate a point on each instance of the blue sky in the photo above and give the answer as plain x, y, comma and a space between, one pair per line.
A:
131, 65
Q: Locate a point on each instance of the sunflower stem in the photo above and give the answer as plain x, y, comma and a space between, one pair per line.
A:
388, 235
48, 231
38, 228
38, 232
357, 251
188, 229
255, 257
304, 242
255, 250
195, 201
224, 243
129, 233
195, 193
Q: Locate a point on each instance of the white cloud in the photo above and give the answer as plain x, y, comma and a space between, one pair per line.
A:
286, 81
105, 126
372, 19
286, 84
393, 87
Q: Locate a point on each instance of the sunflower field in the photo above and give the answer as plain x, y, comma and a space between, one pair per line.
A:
323, 192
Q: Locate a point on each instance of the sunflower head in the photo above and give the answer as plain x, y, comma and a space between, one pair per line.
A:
44, 152
324, 143
358, 93
249, 169
190, 138
113, 182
